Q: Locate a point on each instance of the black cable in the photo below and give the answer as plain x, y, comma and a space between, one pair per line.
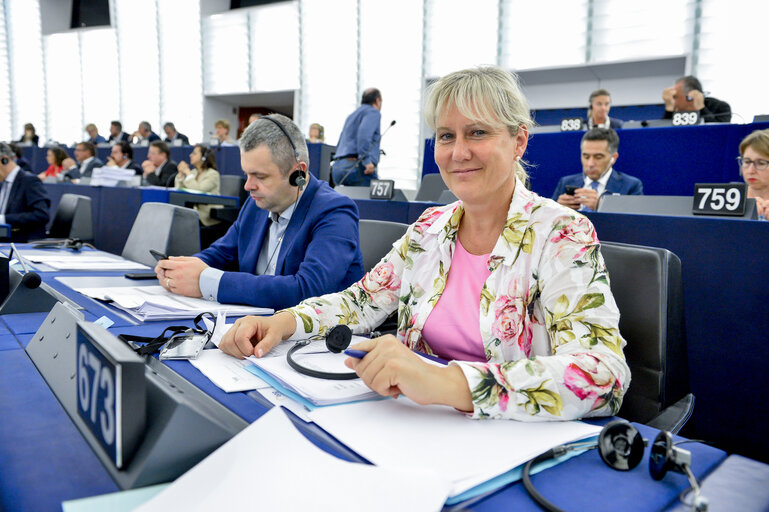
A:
315, 373
535, 495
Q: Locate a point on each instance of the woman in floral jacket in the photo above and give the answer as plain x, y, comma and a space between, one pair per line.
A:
509, 286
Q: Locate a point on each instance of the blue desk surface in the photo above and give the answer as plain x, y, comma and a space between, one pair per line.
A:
44, 459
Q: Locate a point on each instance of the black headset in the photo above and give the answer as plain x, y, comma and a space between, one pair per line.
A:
5, 149
297, 178
621, 447
337, 340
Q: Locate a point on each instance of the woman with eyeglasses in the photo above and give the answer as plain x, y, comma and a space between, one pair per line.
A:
754, 168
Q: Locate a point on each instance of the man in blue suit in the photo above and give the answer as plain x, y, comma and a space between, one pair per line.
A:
584, 191
288, 244
24, 203
87, 161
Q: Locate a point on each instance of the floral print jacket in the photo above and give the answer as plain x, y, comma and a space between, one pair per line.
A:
548, 320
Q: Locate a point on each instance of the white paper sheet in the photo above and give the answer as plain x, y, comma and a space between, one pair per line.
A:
271, 466
63, 260
156, 303
227, 372
401, 434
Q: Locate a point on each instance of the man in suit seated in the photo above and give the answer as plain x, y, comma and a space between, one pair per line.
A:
159, 169
21, 161
93, 134
583, 191
122, 156
24, 203
116, 133
87, 161
288, 244
687, 96
172, 136
145, 133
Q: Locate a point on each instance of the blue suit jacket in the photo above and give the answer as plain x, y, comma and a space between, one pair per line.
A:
360, 135
619, 183
28, 207
320, 252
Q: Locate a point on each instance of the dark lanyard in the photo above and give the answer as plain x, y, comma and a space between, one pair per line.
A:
154, 344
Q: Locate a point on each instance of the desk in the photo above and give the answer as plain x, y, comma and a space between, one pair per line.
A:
669, 161
44, 459
112, 224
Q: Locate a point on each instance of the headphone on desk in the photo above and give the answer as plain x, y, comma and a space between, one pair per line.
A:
298, 178
621, 447
337, 340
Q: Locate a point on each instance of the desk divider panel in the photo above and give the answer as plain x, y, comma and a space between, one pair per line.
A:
183, 424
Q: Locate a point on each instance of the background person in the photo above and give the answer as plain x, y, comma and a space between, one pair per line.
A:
144, 132
24, 202
687, 96
279, 250
754, 169
202, 177
55, 158
316, 133
599, 152
121, 155
116, 133
30, 136
357, 152
222, 130
87, 161
159, 169
93, 135
598, 111
172, 136
508, 285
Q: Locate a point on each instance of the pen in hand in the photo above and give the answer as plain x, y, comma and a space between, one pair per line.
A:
357, 354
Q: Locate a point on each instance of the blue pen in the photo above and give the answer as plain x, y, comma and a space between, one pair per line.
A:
357, 354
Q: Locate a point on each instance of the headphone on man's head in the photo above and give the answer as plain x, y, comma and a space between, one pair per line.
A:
298, 178
5, 150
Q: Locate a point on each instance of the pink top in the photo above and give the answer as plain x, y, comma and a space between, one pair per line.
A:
453, 328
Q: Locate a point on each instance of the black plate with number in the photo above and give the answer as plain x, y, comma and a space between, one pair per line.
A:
719, 199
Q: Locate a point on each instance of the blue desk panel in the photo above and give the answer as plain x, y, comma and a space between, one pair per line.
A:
8, 341
43, 457
669, 160
724, 268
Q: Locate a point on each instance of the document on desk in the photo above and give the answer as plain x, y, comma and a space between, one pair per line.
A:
318, 392
399, 434
62, 260
146, 303
271, 466
227, 372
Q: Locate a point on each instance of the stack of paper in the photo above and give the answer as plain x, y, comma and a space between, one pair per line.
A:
61, 260
146, 303
468, 453
111, 176
318, 392
271, 466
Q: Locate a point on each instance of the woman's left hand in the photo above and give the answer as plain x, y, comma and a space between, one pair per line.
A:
390, 368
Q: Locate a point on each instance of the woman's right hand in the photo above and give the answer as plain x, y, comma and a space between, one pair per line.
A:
256, 335
183, 168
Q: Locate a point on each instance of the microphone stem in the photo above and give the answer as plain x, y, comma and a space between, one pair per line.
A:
20, 258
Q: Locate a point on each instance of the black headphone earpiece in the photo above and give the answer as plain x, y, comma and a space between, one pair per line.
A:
297, 178
4, 160
337, 340
621, 446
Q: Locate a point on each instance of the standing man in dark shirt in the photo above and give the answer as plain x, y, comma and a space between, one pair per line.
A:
687, 96
357, 152
159, 169
24, 203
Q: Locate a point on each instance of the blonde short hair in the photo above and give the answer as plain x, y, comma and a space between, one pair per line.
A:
758, 140
224, 124
485, 94
89, 126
